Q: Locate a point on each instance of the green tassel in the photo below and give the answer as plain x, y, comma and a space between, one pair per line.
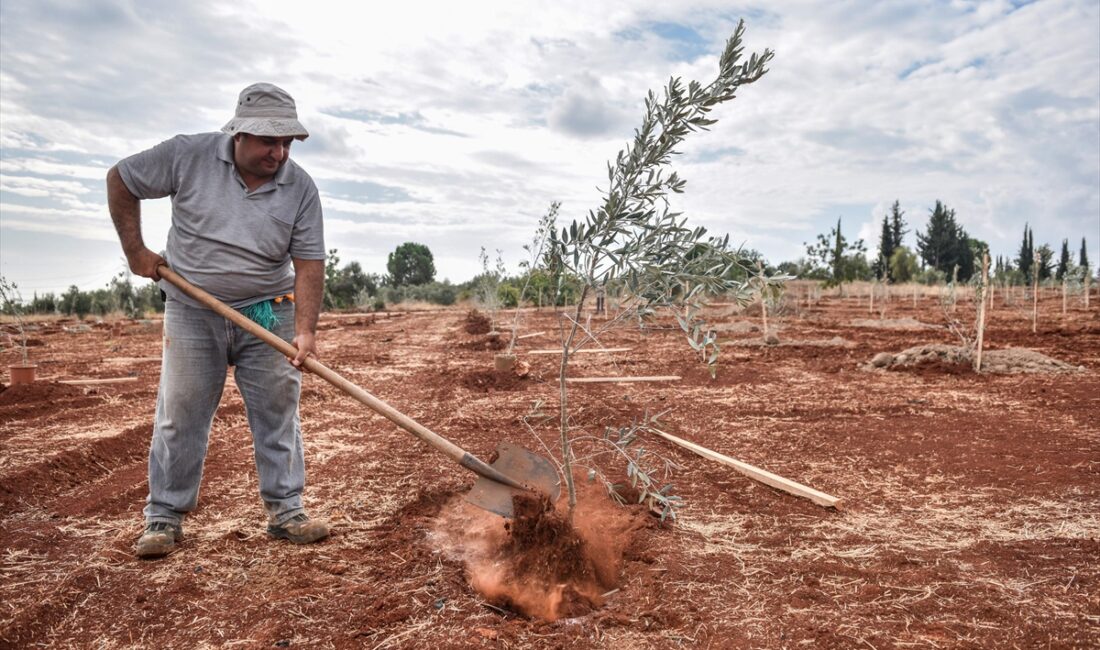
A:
262, 313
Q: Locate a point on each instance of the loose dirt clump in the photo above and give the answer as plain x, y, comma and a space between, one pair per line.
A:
952, 359
540, 564
546, 550
477, 323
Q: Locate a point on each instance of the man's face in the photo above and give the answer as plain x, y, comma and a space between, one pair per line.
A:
259, 155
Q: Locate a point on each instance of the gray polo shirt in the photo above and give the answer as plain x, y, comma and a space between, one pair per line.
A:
233, 243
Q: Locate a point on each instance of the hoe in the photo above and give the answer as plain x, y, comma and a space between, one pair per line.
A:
515, 469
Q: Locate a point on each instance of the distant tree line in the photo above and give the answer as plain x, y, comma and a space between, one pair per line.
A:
119, 296
945, 252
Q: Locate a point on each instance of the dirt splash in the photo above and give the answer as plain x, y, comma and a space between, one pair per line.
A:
538, 564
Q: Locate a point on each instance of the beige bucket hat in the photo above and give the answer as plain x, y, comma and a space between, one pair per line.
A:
268, 110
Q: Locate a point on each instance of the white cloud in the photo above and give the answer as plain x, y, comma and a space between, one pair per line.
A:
462, 121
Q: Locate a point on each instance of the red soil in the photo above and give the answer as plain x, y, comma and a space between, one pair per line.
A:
970, 516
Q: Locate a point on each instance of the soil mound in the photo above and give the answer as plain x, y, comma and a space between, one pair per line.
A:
952, 359
39, 391
487, 343
1022, 360
485, 381
477, 323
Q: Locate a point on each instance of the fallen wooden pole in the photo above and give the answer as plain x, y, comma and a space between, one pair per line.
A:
93, 382
527, 336
131, 359
581, 351
757, 474
619, 380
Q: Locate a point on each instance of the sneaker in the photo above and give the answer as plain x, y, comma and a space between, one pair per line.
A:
159, 539
300, 529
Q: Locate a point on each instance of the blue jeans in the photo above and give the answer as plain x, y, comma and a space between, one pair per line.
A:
198, 346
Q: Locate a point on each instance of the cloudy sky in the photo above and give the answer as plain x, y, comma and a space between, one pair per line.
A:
455, 124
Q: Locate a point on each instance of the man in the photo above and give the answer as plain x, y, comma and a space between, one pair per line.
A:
247, 228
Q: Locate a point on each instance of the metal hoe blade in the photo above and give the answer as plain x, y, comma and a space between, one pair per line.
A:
533, 471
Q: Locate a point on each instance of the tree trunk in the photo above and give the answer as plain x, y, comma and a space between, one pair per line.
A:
566, 447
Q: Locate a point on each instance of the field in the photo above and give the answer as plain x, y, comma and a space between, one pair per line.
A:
969, 513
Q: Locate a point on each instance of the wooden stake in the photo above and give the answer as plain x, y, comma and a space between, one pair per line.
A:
130, 359
527, 336
619, 380
981, 314
764, 315
94, 382
1063, 295
581, 351
1035, 301
757, 474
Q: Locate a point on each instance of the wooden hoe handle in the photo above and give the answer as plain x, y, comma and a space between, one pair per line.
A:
448, 448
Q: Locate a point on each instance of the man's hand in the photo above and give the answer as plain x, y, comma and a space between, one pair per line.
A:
144, 262
309, 284
307, 347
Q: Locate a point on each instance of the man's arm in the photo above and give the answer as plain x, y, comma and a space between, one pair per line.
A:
309, 286
126, 214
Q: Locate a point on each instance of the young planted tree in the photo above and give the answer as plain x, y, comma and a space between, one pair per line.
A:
636, 240
535, 251
488, 286
11, 302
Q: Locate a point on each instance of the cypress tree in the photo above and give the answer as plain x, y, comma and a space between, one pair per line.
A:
1063, 261
897, 227
1083, 261
1024, 259
934, 244
945, 243
886, 248
1045, 261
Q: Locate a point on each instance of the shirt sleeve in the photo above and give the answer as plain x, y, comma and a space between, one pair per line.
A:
151, 173
307, 240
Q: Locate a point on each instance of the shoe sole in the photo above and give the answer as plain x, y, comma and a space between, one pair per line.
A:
155, 551
281, 533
